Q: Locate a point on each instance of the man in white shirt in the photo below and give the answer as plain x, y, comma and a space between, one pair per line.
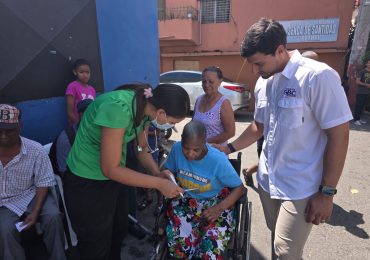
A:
25, 178
303, 114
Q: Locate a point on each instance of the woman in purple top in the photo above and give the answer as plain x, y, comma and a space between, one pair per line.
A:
213, 109
79, 89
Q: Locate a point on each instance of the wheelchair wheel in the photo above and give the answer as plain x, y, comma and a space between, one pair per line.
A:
243, 232
160, 251
247, 244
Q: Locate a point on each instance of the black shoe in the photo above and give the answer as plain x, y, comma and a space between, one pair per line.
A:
136, 231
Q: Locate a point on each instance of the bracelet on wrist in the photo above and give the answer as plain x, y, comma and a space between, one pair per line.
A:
231, 148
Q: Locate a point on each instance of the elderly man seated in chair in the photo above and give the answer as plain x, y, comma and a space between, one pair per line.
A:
25, 177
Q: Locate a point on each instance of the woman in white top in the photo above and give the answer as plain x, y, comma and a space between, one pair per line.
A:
213, 109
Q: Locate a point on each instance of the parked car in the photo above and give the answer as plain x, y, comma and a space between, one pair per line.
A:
191, 81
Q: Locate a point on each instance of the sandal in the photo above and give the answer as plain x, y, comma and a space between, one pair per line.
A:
143, 204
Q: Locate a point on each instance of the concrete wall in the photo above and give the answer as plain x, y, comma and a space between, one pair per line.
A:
220, 43
184, 29
177, 3
228, 36
232, 65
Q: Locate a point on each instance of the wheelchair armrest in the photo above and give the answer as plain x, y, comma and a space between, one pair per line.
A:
244, 198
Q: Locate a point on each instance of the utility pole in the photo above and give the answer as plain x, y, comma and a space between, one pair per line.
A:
361, 33
358, 49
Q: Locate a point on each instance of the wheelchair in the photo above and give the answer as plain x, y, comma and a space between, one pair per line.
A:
239, 244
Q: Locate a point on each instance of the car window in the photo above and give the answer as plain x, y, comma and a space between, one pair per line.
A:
169, 77
190, 77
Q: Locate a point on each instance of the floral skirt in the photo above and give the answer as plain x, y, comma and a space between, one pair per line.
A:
190, 236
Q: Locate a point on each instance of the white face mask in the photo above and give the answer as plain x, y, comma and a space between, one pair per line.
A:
161, 127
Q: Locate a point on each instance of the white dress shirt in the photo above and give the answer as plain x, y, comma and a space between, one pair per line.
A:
295, 106
30, 169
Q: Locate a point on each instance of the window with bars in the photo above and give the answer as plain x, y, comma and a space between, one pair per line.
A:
215, 11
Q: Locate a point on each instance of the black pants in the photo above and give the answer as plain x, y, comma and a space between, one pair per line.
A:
360, 104
98, 212
133, 163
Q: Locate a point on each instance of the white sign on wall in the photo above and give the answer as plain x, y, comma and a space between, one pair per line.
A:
315, 30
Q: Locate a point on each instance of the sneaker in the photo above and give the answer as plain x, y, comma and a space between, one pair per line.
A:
136, 231
363, 121
357, 122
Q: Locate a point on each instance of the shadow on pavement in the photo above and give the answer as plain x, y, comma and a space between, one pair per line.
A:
350, 220
255, 254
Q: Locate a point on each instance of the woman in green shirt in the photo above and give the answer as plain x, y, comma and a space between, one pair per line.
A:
98, 157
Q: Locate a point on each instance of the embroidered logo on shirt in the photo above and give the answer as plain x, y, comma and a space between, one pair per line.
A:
290, 92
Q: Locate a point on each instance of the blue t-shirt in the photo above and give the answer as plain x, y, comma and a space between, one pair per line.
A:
210, 174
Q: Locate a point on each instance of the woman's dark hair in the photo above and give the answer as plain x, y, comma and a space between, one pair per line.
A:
170, 97
214, 69
265, 36
194, 130
139, 99
79, 63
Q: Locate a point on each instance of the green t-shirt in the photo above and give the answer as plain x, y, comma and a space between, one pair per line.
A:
113, 110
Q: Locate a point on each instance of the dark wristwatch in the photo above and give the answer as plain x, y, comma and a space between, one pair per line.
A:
231, 148
327, 190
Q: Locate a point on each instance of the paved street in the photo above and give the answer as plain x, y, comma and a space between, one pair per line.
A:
345, 236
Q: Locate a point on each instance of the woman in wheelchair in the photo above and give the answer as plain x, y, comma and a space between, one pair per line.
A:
201, 221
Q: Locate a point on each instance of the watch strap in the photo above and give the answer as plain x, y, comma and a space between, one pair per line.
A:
327, 190
231, 147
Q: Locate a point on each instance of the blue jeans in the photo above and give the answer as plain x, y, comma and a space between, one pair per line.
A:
359, 107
